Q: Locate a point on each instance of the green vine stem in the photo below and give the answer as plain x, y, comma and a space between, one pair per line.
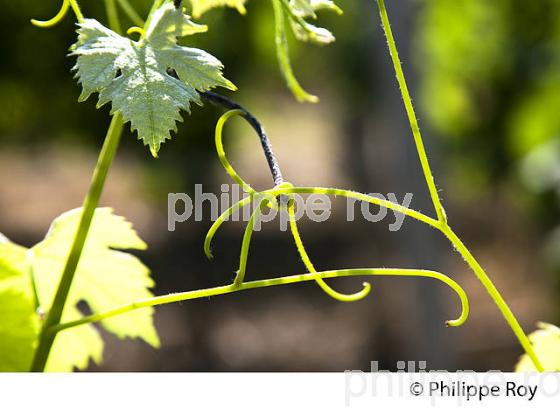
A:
284, 280
46, 338
443, 226
495, 295
410, 112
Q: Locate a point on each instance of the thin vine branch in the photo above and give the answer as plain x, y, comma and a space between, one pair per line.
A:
495, 295
442, 219
271, 193
46, 338
410, 112
284, 280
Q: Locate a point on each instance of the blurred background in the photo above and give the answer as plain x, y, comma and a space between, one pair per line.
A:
486, 80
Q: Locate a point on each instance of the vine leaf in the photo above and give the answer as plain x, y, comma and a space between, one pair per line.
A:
74, 348
546, 342
19, 327
106, 277
134, 75
199, 7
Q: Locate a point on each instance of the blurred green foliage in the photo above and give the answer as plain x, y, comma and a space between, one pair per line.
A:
484, 62
491, 88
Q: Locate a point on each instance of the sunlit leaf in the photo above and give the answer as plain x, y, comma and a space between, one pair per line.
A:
18, 321
299, 10
460, 47
106, 277
134, 75
74, 348
546, 342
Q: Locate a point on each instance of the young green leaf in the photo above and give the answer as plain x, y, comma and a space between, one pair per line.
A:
199, 7
19, 328
546, 342
20, 325
134, 75
305, 31
299, 10
74, 348
106, 278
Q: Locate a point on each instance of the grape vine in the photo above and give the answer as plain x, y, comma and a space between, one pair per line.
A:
148, 82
